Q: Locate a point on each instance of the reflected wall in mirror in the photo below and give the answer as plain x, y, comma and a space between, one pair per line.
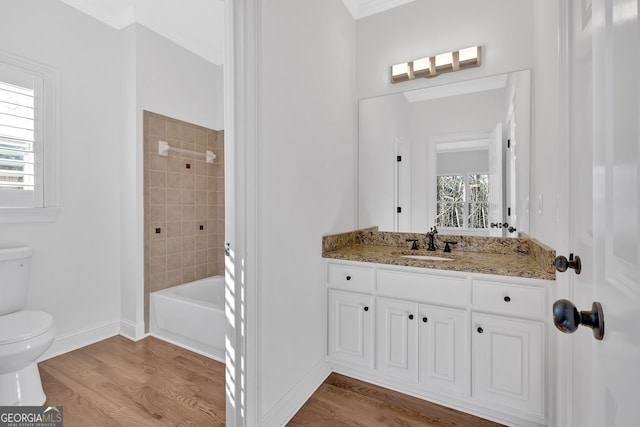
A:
455, 155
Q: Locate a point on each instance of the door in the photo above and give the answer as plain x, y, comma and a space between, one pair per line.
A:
350, 327
443, 348
508, 363
495, 180
605, 65
616, 216
397, 338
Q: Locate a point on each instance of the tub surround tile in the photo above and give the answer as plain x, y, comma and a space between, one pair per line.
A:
516, 257
176, 200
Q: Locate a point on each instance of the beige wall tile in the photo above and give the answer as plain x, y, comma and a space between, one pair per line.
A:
174, 213
157, 196
188, 213
174, 261
158, 163
188, 197
201, 213
174, 197
158, 282
188, 244
158, 213
174, 229
158, 265
157, 248
174, 180
174, 246
188, 134
201, 138
157, 179
201, 197
188, 259
188, 182
174, 277
174, 164
174, 130
201, 257
188, 275
188, 228
201, 242
201, 271
178, 201
157, 127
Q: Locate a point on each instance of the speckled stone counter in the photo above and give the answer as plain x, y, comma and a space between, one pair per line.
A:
501, 256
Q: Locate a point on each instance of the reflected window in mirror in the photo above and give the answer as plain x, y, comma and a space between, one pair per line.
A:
463, 201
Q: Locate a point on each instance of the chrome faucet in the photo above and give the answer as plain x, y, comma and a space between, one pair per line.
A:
431, 236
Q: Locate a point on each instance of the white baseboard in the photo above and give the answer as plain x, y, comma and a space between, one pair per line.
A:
293, 400
132, 331
75, 340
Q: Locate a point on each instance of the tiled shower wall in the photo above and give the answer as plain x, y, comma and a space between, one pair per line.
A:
183, 205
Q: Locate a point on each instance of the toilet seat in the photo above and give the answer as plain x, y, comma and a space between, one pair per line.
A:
23, 325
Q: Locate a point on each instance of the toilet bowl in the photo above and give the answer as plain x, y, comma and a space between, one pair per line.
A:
24, 334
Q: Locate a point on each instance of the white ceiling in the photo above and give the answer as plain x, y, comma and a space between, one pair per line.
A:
196, 25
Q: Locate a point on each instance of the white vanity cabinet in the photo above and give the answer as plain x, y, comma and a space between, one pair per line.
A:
351, 327
422, 344
350, 314
509, 346
508, 366
471, 341
444, 348
397, 333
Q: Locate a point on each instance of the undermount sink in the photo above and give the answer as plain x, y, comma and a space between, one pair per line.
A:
427, 257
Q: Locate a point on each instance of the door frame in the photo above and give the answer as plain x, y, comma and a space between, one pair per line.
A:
242, 203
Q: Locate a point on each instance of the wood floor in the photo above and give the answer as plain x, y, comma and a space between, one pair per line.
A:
344, 401
117, 382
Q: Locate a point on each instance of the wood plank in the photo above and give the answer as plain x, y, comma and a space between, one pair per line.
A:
117, 382
341, 400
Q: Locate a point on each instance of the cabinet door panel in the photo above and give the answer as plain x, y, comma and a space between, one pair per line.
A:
508, 368
443, 348
397, 349
350, 327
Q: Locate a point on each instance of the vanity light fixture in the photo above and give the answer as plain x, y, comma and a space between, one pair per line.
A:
442, 63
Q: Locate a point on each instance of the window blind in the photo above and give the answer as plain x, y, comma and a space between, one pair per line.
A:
17, 137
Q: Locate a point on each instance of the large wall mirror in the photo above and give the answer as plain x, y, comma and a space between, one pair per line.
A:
456, 156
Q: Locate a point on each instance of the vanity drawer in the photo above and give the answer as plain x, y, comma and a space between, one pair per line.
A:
349, 277
424, 287
521, 300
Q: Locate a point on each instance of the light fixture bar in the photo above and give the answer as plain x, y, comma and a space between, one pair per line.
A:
435, 65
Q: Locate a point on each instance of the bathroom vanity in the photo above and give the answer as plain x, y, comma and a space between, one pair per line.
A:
469, 332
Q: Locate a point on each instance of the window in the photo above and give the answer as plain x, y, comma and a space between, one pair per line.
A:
27, 135
463, 201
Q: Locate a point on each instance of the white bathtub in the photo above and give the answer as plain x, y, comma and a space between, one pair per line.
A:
191, 316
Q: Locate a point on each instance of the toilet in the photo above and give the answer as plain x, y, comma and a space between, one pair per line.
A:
24, 334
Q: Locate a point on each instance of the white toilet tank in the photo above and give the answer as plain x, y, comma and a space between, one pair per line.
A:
15, 260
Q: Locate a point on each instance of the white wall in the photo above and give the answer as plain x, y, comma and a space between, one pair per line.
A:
176, 83
548, 163
427, 27
306, 186
164, 78
75, 270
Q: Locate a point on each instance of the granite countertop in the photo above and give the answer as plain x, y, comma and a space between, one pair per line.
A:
524, 258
